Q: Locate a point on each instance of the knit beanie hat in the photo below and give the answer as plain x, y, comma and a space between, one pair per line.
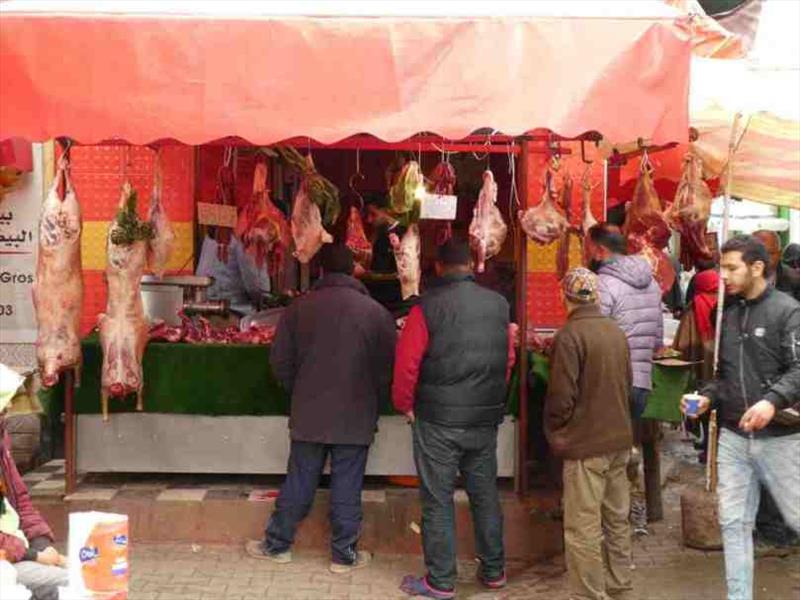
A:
580, 286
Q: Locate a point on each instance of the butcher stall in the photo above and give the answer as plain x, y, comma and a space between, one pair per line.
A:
490, 128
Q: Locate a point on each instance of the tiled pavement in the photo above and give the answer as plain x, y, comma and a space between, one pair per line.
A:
664, 569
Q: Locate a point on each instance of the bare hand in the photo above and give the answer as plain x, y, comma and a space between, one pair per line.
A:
758, 416
50, 556
410, 417
702, 406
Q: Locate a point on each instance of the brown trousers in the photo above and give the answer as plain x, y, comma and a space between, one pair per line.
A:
596, 530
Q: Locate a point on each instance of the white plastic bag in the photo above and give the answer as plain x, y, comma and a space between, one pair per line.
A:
98, 553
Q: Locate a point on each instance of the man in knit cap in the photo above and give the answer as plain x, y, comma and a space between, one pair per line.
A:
588, 423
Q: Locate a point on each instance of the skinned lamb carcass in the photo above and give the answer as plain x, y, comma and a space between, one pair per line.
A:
647, 231
262, 228
58, 288
487, 231
307, 231
357, 241
543, 223
690, 212
123, 327
160, 246
407, 256
588, 218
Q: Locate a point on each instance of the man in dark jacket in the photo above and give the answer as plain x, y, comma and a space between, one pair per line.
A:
25, 537
453, 362
333, 351
758, 378
587, 422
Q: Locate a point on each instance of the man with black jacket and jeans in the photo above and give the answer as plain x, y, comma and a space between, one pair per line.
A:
453, 361
333, 352
757, 380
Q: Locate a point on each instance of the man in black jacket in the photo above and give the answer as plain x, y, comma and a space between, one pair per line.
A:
453, 362
333, 351
758, 379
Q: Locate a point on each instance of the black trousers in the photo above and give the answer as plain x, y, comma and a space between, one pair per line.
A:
306, 461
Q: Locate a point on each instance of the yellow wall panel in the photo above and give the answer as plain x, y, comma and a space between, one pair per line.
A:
93, 246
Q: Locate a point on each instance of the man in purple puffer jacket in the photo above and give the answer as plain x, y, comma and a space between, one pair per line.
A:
630, 295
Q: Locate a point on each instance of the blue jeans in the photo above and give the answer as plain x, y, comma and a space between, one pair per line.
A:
745, 465
439, 454
306, 461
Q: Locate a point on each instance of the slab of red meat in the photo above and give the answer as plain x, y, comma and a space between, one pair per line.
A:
443, 182
543, 223
58, 288
357, 240
123, 327
647, 230
690, 211
262, 228
487, 231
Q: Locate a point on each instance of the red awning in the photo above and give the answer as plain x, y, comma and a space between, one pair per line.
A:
196, 79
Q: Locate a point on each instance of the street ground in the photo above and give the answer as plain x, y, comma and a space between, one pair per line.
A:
664, 569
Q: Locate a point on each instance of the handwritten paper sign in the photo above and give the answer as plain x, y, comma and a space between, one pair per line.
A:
221, 215
439, 206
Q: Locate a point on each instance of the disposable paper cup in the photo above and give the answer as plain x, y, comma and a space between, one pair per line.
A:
692, 403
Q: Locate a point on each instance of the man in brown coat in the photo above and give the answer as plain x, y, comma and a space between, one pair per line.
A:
588, 424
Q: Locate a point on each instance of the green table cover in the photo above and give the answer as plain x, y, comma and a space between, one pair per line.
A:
669, 384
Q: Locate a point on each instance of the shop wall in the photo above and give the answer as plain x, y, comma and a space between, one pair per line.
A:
97, 174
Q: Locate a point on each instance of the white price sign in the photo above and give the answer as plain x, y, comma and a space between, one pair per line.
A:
19, 234
438, 206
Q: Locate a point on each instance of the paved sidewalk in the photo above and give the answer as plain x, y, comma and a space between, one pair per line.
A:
664, 569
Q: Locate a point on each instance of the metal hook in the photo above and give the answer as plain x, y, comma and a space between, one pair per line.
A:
583, 154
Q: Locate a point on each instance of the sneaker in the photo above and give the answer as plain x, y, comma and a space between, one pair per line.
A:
493, 583
256, 549
363, 558
419, 587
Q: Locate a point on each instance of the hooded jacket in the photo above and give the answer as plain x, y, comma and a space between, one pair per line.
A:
631, 296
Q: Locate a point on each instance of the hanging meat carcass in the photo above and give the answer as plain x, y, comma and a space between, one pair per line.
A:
647, 231
58, 288
407, 256
588, 218
562, 255
160, 246
544, 223
262, 228
226, 195
307, 230
316, 206
357, 240
123, 327
487, 231
443, 183
690, 211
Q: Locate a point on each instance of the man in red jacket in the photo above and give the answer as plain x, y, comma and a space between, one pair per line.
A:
24, 536
453, 361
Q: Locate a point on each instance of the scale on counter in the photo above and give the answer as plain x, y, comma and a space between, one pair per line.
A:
165, 297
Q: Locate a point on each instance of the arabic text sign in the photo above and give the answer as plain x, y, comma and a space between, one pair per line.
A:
19, 218
438, 206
